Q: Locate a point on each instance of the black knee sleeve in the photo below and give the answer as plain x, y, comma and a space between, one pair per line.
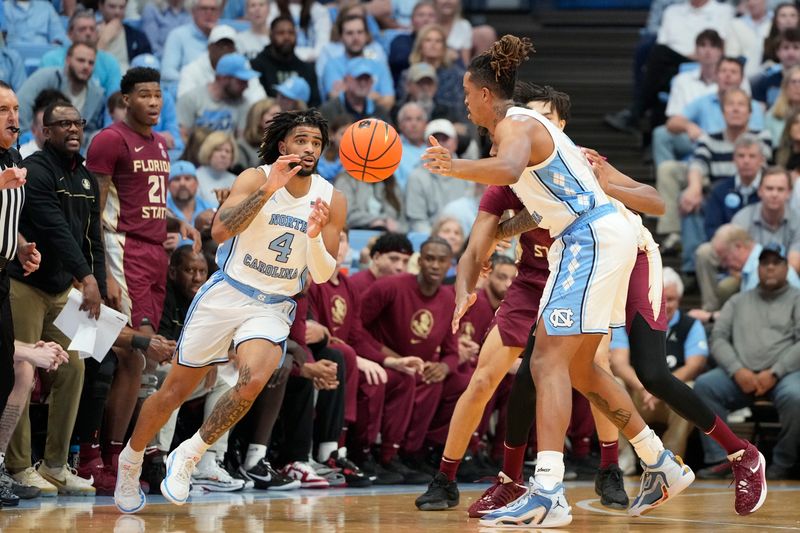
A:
522, 400
649, 360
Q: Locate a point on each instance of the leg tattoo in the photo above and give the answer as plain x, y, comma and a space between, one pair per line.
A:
618, 417
229, 409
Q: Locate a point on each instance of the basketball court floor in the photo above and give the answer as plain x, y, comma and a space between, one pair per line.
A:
706, 507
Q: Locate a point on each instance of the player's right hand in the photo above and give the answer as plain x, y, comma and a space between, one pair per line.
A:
113, 293
160, 349
91, 297
463, 302
373, 372
409, 364
13, 177
281, 172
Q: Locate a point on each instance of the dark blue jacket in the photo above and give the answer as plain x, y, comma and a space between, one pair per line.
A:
722, 203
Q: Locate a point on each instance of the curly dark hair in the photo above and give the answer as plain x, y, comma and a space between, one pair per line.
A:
282, 124
497, 67
138, 75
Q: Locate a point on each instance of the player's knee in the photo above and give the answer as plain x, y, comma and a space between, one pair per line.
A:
249, 388
481, 385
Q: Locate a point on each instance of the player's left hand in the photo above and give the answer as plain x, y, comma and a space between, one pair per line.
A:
189, 232
463, 303
437, 158
29, 257
318, 218
467, 349
434, 372
600, 166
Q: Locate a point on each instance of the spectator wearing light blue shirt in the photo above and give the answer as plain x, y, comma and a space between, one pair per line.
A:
182, 198
687, 355
34, 22
160, 18
186, 43
355, 37
411, 121
12, 68
82, 28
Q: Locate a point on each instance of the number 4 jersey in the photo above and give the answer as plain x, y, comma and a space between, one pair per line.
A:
139, 170
270, 254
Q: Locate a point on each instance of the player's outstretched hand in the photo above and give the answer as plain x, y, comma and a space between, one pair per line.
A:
463, 302
13, 177
437, 158
318, 218
281, 172
190, 232
29, 257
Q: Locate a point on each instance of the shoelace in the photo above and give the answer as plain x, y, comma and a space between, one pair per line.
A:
184, 473
130, 482
221, 473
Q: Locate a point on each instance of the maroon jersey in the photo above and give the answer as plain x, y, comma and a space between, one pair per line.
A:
477, 320
361, 281
338, 308
400, 317
139, 170
532, 266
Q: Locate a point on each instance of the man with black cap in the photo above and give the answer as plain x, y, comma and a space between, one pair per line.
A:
756, 343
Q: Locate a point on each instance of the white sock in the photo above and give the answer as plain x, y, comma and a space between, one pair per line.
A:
549, 469
130, 455
196, 445
325, 450
648, 446
255, 452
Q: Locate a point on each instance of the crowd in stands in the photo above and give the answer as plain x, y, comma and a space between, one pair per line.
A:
367, 391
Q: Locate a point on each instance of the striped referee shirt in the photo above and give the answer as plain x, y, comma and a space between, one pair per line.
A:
11, 201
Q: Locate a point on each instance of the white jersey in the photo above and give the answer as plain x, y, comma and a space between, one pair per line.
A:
270, 254
561, 188
644, 239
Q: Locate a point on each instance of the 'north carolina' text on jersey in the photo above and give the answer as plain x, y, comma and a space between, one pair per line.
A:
270, 254
562, 187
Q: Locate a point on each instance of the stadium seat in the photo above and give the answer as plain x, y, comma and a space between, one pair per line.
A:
32, 54
417, 238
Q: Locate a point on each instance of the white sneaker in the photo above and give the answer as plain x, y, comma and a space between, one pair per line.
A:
210, 476
66, 480
128, 494
31, 478
660, 482
178, 481
303, 472
537, 508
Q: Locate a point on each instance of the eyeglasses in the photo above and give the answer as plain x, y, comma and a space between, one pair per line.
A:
65, 124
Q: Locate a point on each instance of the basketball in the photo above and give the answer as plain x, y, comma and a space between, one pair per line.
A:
370, 150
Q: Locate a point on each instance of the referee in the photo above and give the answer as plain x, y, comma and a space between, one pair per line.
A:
12, 196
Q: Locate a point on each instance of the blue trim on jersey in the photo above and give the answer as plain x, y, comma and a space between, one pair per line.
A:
555, 195
592, 271
588, 217
215, 279
225, 252
212, 362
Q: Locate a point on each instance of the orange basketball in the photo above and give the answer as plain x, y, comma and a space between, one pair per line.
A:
370, 150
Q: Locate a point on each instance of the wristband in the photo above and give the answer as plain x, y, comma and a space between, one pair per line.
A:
140, 342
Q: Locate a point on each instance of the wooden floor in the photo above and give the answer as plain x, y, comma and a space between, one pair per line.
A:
704, 507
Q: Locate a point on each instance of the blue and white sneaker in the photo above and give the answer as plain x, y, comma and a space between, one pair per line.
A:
128, 494
536, 508
660, 482
180, 467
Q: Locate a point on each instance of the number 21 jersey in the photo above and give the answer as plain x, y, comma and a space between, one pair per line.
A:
139, 170
270, 254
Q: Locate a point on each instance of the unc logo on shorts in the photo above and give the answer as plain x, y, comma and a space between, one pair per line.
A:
561, 318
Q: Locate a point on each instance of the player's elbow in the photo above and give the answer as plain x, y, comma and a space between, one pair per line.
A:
219, 233
658, 207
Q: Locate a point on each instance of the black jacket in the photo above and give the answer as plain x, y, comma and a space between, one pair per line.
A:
275, 71
62, 216
136, 41
176, 307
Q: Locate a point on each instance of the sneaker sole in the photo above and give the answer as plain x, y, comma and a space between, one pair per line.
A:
505, 522
294, 485
438, 506
165, 490
315, 485
211, 487
763, 464
683, 483
135, 509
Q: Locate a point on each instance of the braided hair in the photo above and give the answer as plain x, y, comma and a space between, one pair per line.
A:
282, 124
497, 67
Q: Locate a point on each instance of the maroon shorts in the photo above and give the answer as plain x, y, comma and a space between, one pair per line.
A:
517, 313
645, 292
140, 269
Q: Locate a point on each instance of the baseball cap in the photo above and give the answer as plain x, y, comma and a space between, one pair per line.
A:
235, 65
220, 32
772, 248
361, 65
419, 71
294, 88
441, 125
182, 168
146, 60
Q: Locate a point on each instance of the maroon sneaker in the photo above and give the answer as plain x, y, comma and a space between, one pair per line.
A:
504, 491
749, 477
103, 479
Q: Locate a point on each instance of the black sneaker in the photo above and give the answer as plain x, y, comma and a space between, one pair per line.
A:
721, 470
377, 474
410, 476
23, 492
154, 470
608, 484
441, 495
267, 478
352, 474
7, 496
468, 471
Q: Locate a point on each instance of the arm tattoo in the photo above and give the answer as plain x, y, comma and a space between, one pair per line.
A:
229, 409
618, 417
519, 223
238, 217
